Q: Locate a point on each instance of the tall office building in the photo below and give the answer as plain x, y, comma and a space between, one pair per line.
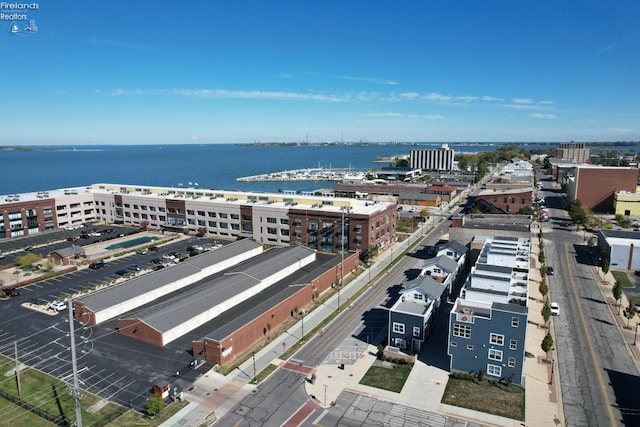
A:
440, 159
574, 151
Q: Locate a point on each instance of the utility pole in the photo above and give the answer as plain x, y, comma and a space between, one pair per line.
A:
253, 354
75, 392
15, 350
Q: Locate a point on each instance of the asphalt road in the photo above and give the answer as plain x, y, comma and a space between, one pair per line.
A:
597, 373
279, 397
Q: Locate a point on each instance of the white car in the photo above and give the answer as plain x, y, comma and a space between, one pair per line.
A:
58, 306
555, 309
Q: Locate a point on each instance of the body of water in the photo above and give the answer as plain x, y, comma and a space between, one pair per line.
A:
210, 166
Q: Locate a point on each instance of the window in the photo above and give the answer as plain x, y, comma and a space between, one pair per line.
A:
272, 230
223, 215
191, 212
515, 322
271, 220
469, 347
462, 331
416, 331
496, 339
512, 362
400, 343
495, 354
494, 370
454, 344
513, 344
235, 216
398, 328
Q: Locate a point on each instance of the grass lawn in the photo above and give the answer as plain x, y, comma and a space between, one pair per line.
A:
485, 397
133, 418
47, 394
386, 379
622, 278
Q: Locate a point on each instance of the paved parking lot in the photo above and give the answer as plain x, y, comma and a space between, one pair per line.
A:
111, 365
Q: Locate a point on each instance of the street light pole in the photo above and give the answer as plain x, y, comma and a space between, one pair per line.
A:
302, 319
636, 335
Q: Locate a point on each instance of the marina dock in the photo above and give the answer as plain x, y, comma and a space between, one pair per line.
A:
308, 174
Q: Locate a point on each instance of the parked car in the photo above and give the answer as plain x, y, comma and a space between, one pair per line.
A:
142, 251
1, 256
96, 265
58, 306
550, 271
134, 267
153, 248
555, 309
72, 239
121, 272
156, 261
168, 256
12, 292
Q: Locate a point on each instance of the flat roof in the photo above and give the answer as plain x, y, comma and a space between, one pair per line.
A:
142, 285
231, 320
212, 291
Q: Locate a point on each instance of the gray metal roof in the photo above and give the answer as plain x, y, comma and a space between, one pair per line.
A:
185, 305
232, 320
456, 246
446, 263
73, 250
427, 284
148, 282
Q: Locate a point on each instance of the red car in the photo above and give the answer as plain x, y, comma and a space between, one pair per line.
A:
12, 292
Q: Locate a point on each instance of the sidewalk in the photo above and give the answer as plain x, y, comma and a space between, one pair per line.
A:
628, 328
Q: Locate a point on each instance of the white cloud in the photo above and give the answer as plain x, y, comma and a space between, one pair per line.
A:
385, 115
437, 97
546, 102
410, 95
233, 94
491, 99
542, 116
523, 100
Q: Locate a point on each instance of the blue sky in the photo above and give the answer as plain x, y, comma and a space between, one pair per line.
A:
127, 72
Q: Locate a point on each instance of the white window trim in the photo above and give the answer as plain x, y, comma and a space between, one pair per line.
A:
494, 370
496, 339
495, 355
398, 328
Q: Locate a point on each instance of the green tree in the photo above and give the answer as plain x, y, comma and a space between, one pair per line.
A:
463, 162
605, 265
154, 405
27, 260
402, 163
546, 312
544, 289
630, 313
617, 293
541, 257
577, 213
547, 344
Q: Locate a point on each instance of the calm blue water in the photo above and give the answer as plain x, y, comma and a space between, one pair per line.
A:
211, 166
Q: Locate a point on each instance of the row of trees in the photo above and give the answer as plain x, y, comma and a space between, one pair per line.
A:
547, 342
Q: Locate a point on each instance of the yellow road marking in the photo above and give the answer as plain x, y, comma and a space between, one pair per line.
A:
612, 418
